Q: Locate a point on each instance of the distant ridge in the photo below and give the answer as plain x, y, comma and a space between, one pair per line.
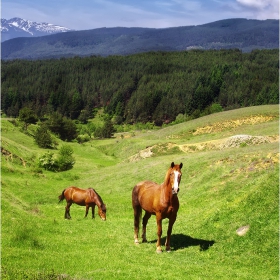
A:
243, 34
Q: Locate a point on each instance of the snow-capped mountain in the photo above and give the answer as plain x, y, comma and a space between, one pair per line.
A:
18, 27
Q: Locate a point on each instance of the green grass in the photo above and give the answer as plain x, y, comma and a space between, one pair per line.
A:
221, 190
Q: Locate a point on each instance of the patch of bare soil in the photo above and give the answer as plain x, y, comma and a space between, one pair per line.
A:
221, 126
9, 156
142, 154
229, 142
258, 162
243, 140
220, 144
235, 141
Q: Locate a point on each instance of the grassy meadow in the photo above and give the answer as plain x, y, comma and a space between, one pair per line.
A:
225, 185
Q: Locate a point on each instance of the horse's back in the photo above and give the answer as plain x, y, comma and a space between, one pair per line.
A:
72, 189
146, 188
76, 195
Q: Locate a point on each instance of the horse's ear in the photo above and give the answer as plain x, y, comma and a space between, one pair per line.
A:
172, 164
181, 165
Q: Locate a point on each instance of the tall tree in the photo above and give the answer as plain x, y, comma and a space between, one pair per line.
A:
27, 116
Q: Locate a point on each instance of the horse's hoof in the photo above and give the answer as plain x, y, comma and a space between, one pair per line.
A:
144, 241
136, 241
159, 251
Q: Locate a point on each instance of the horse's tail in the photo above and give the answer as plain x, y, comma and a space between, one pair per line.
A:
61, 197
137, 208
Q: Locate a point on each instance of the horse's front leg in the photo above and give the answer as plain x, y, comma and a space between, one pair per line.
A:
87, 207
159, 232
145, 221
169, 231
92, 210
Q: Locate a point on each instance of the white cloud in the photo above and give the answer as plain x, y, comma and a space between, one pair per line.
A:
260, 4
261, 9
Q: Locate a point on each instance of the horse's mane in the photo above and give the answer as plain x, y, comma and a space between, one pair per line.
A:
167, 175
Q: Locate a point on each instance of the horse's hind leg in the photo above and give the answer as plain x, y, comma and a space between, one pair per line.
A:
67, 211
92, 211
137, 215
145, 221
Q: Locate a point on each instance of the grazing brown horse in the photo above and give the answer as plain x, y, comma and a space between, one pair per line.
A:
88, 198
160, 200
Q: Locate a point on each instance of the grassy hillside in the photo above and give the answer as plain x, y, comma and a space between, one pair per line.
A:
230, 180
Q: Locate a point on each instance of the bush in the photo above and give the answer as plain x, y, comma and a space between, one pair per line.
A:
83, 138
43, 138
106, 131
65, 128
63, 162
48, 162
216, 108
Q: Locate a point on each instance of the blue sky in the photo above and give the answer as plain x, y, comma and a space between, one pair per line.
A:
90, 14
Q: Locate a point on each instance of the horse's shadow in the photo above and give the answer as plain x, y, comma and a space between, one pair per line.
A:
181, 241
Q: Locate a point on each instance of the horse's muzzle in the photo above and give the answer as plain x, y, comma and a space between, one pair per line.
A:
174, 192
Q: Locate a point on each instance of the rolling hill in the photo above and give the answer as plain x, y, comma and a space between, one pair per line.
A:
227, 224
224, 34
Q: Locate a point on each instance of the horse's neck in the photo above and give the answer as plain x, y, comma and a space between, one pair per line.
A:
97, 200
166, 192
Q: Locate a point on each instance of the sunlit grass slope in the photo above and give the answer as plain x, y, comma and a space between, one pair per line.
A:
224, 187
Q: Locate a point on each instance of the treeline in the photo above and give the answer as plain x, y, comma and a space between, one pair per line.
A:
148, 87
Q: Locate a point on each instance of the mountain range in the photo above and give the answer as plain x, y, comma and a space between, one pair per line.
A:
242, 34
18, 27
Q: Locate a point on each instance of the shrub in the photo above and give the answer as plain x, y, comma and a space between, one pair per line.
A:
48, 162
43, 138
83, 138
106, 131
216, 108
63, 162
65, 128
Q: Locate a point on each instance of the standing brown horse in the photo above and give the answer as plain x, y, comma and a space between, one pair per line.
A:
88, 198
160, 200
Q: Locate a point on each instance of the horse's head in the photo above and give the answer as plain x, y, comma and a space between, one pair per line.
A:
175, 176
102, 212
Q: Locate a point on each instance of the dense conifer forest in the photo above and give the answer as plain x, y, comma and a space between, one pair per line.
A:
147, 87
